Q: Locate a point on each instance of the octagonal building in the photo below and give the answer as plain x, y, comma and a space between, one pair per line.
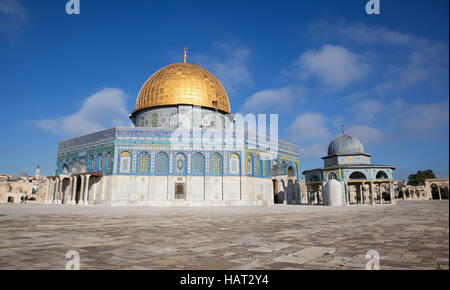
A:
184, 148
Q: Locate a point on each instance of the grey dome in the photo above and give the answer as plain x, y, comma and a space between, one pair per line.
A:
345, 144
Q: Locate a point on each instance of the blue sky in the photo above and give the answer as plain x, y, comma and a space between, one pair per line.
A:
318, 64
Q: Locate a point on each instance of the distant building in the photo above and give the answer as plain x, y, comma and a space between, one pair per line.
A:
348, 177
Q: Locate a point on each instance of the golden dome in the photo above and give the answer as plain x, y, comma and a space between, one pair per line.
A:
183, 84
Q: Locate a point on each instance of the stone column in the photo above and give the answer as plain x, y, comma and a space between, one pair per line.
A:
372, 202
81, 190
347, 195
439, 190
46, 191
74, 193
55, 190
309, 193
392, 192
363, 196
380, 193
86, 192
60, 193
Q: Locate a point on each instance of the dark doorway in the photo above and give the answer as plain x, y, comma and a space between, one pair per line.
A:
180, 191
78, 193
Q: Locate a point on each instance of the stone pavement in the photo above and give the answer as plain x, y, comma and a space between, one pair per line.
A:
410, 235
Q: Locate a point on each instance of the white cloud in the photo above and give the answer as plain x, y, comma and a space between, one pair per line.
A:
334, 65
367, 110
413, 60
273, 100
421, 121
309, 126
230, 67
12, 8
102, 110
367, 135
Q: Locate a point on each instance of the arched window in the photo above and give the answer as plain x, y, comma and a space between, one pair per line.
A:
267, 169
332, 176
109, 163
143, 162
216, 163
382, 175
73, 164
100, 162
198, 164
250, 165
180, 164
162, 164
357, 175
125, 162
235, 164
290, 171
65, 169
91, 163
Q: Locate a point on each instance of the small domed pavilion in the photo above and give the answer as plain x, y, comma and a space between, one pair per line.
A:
361, 182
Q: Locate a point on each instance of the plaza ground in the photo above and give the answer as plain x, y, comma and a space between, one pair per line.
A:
410, 235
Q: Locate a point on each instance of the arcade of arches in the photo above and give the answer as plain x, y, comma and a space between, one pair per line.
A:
434, 189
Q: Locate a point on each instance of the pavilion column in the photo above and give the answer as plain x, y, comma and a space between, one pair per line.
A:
309, 193
61, 181
363, 196
439, 190
74, 193
323, 194
86, 192
391, 190
55, 190
380, 193
371, 193
81, 190
46, 191
347, 193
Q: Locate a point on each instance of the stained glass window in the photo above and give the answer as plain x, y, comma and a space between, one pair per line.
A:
109, 163
216, 162
125, 162
162, 164
143, 162
267, 169
91, 163
198, 164
100, 162
250, 165
234, 164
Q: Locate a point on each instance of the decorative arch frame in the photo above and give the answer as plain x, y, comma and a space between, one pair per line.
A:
194, 170
141, 167
216, 157
176, 169
125, 155
357, 172
157, 163
231, 158
380, 173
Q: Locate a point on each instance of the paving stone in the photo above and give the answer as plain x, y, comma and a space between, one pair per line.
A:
410, 235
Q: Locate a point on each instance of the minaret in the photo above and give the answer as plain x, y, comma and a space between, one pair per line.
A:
38, 172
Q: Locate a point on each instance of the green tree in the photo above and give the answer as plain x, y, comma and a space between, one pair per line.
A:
420, 176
